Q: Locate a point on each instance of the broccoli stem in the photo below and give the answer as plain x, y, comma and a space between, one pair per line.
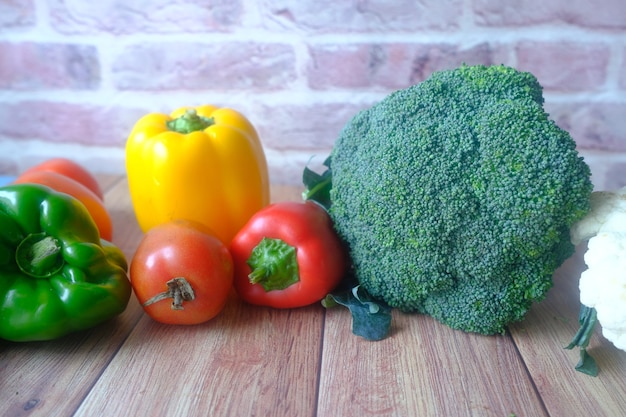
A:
587, 318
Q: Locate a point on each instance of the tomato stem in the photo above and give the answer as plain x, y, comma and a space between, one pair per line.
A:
179, 289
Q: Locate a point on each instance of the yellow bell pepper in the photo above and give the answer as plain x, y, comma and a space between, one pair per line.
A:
203, 164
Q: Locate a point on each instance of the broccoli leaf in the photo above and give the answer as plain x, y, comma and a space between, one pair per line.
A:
318, 185
371, 319
587, 320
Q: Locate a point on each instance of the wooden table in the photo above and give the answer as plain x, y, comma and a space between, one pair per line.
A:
252, 361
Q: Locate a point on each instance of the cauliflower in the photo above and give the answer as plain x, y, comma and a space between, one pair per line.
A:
603, 284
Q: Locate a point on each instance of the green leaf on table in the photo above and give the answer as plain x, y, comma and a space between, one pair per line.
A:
371, 319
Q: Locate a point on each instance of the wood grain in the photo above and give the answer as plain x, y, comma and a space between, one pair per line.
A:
248, 361
423, 369
252, 361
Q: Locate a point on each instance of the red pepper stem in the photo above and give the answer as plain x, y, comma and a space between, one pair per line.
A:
189, 122
178, 289
259, 274
274, 265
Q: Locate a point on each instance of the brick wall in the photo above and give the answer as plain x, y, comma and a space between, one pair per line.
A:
76, 75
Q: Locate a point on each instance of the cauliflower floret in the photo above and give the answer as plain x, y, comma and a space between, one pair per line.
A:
608, 213
603, 284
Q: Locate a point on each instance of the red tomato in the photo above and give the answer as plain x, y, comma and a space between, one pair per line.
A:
288, 255
66, 185
175, 260
71, 170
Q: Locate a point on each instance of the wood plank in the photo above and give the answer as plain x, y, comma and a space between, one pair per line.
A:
51, 378
549, 327
247, 361
107, 181
423, 369
126, 231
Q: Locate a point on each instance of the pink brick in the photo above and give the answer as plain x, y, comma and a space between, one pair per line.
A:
602, 14
565, 66
622, 71
390, 66
158, 16
17, 13
221, 67
32, 66
363, 16
304, 127
67, 123
598, 126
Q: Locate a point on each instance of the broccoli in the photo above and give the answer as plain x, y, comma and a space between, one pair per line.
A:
456, 195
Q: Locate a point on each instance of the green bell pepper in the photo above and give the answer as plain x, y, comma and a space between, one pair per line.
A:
56, 275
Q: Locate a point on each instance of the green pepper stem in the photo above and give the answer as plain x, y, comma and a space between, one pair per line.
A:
189, 122
39, 255
178, 289
274, 265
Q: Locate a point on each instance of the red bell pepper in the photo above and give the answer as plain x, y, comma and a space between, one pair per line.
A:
288, 255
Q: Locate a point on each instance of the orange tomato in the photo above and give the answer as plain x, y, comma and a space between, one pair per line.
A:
72, 170
66, 185
181, 274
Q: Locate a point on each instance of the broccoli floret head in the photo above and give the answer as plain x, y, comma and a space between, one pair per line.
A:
455, 196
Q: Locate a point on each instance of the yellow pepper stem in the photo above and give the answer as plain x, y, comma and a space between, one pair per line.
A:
189, 122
